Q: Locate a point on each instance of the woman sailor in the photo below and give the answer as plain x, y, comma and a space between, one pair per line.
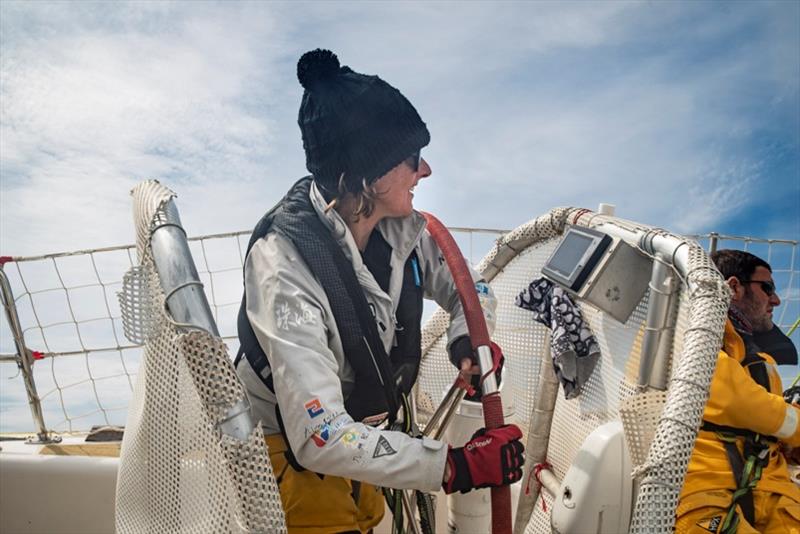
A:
330, 320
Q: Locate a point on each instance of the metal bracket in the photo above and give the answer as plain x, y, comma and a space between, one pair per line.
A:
43, 439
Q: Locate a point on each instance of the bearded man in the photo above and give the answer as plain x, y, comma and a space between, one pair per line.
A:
738, 478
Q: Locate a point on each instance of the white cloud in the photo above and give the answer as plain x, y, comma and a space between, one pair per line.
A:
87, 113
553, 101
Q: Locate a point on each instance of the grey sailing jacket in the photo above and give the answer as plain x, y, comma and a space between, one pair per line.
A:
293, 322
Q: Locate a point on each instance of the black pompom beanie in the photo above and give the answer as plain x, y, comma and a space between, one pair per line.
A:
353, 123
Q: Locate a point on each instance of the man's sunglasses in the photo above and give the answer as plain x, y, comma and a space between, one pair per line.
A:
414, 159
766, 286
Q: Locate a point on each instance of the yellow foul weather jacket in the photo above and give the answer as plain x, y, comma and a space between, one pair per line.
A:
736, 400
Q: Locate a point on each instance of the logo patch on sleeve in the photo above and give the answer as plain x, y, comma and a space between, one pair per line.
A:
321, 436
314, 408
383, 448
711, 524
350, 438
289, 316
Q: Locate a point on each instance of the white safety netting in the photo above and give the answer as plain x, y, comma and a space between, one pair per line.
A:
84, 367
660, 440
178, 471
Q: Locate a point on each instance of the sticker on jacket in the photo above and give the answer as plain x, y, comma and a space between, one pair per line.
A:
288, 316
330, 419
358, 442
383, 448
355, 439
314, 408
322, 434
320, 438
711, 524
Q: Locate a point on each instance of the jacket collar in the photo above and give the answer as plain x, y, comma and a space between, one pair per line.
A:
739, 320
401, 233
334, 222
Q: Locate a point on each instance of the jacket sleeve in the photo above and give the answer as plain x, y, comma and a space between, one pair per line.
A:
440, 287
288, 311
736, 400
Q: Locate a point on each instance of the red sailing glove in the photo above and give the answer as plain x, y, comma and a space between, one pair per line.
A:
491, 458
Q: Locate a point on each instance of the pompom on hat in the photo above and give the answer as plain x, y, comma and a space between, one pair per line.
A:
353, 123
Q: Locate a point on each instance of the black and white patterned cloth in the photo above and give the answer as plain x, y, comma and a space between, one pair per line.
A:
574, 349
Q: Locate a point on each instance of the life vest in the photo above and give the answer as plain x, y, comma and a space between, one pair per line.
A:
380, 379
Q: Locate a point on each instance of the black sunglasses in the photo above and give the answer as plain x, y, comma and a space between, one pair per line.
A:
766, 286
414, 159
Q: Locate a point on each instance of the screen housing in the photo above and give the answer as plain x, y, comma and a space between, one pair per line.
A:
569, 266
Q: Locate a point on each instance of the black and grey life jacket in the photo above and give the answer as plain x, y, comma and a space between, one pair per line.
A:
380, 379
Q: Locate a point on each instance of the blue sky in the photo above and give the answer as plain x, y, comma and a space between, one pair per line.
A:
685, 115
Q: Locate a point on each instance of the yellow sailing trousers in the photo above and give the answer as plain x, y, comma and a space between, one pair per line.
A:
322, 505
704, 512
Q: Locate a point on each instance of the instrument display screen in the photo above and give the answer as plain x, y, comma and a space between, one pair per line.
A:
568, 256
576, 256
